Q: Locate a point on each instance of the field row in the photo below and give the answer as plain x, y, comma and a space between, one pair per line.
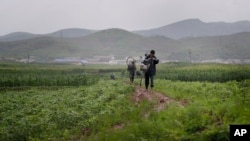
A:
50, 114
209, 111
203, 72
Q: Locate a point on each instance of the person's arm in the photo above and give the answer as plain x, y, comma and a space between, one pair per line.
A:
156, 61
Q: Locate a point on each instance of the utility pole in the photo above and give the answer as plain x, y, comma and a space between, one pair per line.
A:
190, 56
28, 58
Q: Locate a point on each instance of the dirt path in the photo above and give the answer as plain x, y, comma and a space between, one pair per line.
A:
160, 102
160, 99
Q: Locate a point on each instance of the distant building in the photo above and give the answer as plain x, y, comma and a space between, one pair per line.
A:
92, 61
84, 62
66, 60
104, 58
113, 62
169, 61
227, 61
27, 61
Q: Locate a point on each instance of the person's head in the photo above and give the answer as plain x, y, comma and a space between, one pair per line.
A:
152, 53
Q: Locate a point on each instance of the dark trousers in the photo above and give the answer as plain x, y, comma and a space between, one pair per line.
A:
147, 77
132, 76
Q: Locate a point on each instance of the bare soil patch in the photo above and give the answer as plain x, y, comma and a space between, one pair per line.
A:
160, 99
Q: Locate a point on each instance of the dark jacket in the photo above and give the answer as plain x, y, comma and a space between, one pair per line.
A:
151, 65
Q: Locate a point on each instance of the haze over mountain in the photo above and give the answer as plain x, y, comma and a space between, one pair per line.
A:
71, 33
182, 29
64, 33
123, 43
197, 28
18, 36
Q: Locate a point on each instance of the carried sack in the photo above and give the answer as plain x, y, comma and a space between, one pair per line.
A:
144, 67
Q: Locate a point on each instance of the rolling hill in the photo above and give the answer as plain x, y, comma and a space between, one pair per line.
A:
64, 33
235, 46
122, 43
197, 28
183, 29
18, 36
71, 33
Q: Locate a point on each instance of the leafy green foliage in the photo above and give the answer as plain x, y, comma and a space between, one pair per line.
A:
86, 105
210, 109
203, 72
45, 114
34, 77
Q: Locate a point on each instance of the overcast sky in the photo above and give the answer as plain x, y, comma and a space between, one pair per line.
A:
45, 16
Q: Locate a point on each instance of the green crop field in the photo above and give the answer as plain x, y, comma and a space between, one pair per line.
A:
68, 102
